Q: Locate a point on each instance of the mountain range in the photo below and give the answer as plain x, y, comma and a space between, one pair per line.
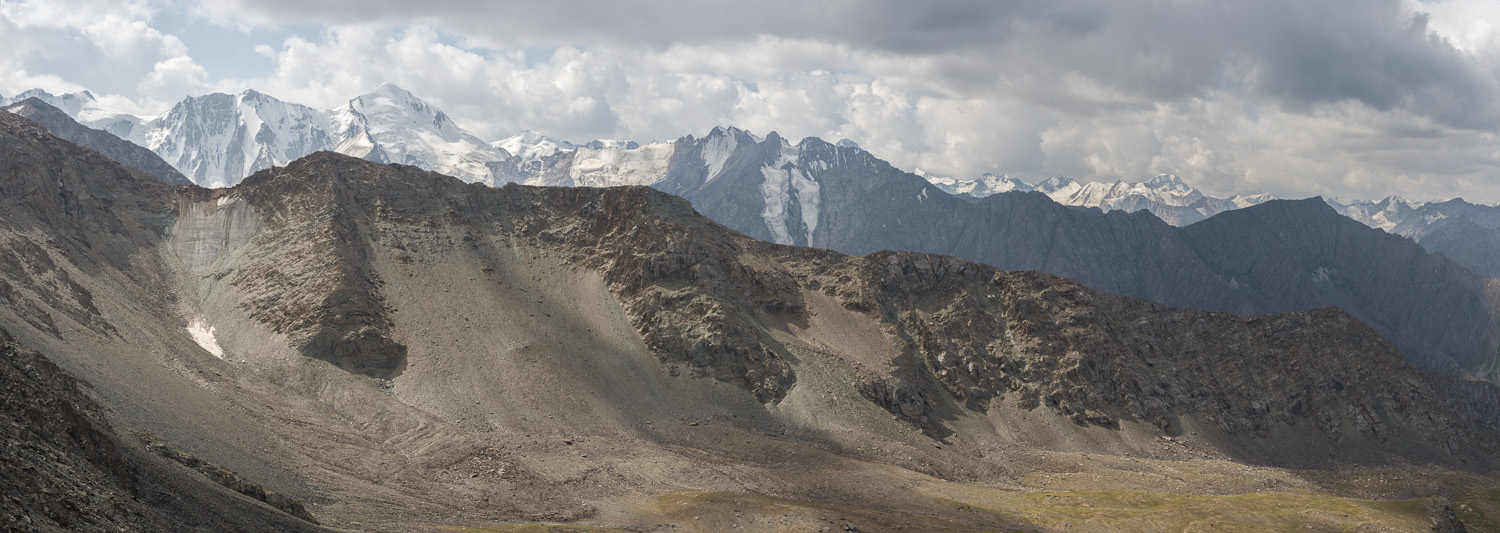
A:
1165, 196
1110, 236
218, 139
840, 197
375, 346
818, 194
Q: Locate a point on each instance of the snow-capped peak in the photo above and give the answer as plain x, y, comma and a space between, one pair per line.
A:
985, 185
84, 108
391, 125
531, 145
1397, 203
1246, 200
1169, 184
1162, 190
846, 143
1058, 186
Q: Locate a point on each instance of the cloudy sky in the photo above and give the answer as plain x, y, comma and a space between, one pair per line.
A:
1352, 99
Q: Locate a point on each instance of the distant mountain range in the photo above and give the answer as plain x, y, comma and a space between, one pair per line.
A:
1165, 196
216, 140
1467, 233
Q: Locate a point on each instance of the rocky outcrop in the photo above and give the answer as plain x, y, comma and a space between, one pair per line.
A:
311, 278
1473, 401
670, 285
61, 469
227, 479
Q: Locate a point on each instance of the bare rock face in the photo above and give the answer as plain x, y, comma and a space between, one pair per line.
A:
59, 451
667, 283
311, 279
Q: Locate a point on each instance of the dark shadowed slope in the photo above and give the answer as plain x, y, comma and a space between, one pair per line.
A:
1296, 254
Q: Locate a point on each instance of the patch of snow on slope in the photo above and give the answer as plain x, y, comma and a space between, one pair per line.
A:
716, 152
203, 334
810, 197
782, 180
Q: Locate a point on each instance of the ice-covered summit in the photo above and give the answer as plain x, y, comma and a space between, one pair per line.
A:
985, 185
531, 145
391, 125
1385, 214
84, 108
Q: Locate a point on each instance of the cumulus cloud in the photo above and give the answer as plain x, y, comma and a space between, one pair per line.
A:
1355, 98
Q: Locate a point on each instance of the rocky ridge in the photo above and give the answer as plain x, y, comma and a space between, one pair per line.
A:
702, 298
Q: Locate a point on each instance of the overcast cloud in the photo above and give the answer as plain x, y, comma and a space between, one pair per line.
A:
1357, 98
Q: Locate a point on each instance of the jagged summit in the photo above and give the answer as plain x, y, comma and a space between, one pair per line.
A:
1171, 184
391, 125
1468, 233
